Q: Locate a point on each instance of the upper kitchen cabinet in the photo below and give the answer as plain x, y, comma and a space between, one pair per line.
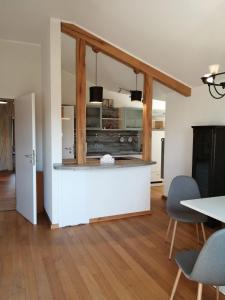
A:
94, 117
132, 118
113, 118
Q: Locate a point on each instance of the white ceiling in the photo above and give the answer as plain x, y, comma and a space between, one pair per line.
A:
111, 74
179, 37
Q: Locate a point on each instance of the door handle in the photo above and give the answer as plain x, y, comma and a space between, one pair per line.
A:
32, 157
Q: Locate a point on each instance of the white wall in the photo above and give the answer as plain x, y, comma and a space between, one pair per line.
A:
69, 90
20, 73
51, 76
181, 114
120, 100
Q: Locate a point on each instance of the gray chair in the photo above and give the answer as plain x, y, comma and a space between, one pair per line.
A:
183, 188
204, 267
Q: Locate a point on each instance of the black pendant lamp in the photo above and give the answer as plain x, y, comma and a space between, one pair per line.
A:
96, 92
136, 95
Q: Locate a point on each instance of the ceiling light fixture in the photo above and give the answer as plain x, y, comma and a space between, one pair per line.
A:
96, 92
136, 95
121, 89
215, 83
3, 102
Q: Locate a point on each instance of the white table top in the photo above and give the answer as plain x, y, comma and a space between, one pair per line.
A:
213, 206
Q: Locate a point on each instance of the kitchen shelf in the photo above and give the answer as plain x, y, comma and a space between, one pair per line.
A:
111, 118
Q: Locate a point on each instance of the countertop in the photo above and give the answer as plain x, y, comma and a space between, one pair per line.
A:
92, 163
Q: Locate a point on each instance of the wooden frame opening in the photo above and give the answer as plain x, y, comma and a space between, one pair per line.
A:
83, 39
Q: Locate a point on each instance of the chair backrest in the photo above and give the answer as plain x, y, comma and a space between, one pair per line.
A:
182, 188
210, 265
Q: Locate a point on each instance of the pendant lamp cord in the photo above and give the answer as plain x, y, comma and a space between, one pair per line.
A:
96, 69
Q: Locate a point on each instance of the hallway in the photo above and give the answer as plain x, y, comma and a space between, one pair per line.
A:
7, 191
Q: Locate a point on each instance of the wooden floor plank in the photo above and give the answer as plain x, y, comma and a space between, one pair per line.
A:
117, 260
7, 191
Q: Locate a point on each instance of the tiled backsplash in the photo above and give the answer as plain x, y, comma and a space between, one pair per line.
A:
113, 142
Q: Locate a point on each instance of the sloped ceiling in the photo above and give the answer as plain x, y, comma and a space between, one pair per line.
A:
111, 74
179, 37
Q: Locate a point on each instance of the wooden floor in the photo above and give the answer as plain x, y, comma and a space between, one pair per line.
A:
7, 191
125, 259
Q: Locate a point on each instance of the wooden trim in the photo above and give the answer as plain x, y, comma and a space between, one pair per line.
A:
40, 191
147, 118
121, 216
125, 58
80, 102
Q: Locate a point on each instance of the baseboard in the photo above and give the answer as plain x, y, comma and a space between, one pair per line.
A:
119, 217
54, 226
159, 181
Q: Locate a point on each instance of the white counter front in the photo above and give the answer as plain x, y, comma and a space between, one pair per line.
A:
91, 193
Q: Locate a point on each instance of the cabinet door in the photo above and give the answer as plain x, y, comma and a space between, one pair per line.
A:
93, 117
133, 118
219, 163
202, 159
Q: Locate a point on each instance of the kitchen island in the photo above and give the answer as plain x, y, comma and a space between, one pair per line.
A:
93, 192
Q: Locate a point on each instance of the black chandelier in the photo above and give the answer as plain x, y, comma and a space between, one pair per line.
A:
215, 83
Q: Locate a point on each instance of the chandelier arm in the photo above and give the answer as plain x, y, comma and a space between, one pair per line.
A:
215, 88
217, 74
214, 84
213, 95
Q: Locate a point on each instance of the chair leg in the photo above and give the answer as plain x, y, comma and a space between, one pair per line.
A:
197, 231
199, 297
203, 232
175, 284
217, 293
168, 230
173, 238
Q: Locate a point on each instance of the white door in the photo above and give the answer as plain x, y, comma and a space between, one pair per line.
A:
157, 136
25, 157
68, 132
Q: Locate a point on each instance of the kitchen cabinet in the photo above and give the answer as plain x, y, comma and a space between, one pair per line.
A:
94, 117
126, 118
132, 118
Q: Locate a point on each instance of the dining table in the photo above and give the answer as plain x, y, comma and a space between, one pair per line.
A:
213, 207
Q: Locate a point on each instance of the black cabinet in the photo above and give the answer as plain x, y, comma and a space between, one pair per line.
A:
208, 166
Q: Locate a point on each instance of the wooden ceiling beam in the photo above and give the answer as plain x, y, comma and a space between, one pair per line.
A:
125, 58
